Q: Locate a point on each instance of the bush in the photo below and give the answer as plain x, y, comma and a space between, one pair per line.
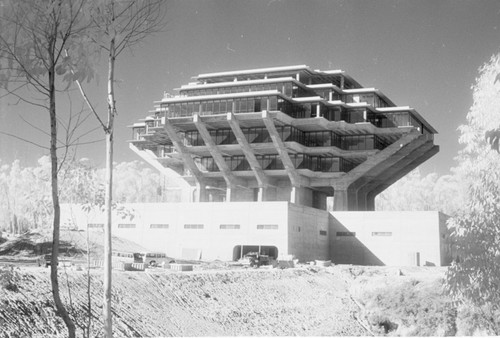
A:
412, 307
9, 278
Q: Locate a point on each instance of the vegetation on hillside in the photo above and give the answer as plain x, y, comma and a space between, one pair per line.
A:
24, 191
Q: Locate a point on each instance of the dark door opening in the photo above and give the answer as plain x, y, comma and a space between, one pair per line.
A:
240, 251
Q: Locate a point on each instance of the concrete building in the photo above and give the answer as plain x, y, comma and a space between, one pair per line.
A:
283, 134
279, 144
227, 231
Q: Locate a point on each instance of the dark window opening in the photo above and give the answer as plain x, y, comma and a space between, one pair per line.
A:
267, 226
345, 234
382, 233
193, 226
158, 226
126, 226
229, 226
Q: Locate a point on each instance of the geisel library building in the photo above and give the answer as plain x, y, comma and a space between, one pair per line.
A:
264, 153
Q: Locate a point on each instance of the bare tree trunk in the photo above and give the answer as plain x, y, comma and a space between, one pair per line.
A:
14, 225
108, 325
61, 310
89, 298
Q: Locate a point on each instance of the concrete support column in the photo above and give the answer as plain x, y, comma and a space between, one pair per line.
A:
370, 202
200, 193
340, 200
344, 199
228, 194
318, 110
261, 194
360, 200
293, 195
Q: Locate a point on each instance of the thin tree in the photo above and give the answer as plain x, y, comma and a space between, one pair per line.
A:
33, 36
117, 26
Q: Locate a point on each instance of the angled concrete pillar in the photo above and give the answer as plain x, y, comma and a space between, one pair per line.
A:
231, 180
260, 176
281, 149
188, 160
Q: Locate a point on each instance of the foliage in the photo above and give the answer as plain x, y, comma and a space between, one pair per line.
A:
473, 320
34, 35
410, 307
9, 278
474, 278
25, 191
417, 192
135, 183
482, 116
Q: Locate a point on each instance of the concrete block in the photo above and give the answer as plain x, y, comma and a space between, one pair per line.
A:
323, 263
181, 267
118, 266
137, 267
286, 264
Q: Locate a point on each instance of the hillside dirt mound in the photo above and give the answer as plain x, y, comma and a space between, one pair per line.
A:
244, 302
72, 244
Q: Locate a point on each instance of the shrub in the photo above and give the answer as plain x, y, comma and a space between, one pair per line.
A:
9, 278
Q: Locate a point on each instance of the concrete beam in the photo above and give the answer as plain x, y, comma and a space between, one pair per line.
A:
280, 148
397, 171
231, 180
261, 177
354, 189
374, 165
404, 171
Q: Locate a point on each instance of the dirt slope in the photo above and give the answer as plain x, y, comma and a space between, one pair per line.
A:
249, 302
73, 243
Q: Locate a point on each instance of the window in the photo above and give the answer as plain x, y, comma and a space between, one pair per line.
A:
345, 234
229, 226
322, 232
95, 225
382, 233
193, 226
267, 226
126, 226
158, 226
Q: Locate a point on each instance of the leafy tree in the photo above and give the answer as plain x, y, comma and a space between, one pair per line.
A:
474, 277
135, 183
416, 192
33, 36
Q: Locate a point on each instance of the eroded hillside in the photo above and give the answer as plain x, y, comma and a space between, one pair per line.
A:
300, 301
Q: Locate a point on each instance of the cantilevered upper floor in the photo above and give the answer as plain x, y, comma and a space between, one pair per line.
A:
284, 133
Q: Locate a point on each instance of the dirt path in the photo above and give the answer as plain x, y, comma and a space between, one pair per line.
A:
302, 301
